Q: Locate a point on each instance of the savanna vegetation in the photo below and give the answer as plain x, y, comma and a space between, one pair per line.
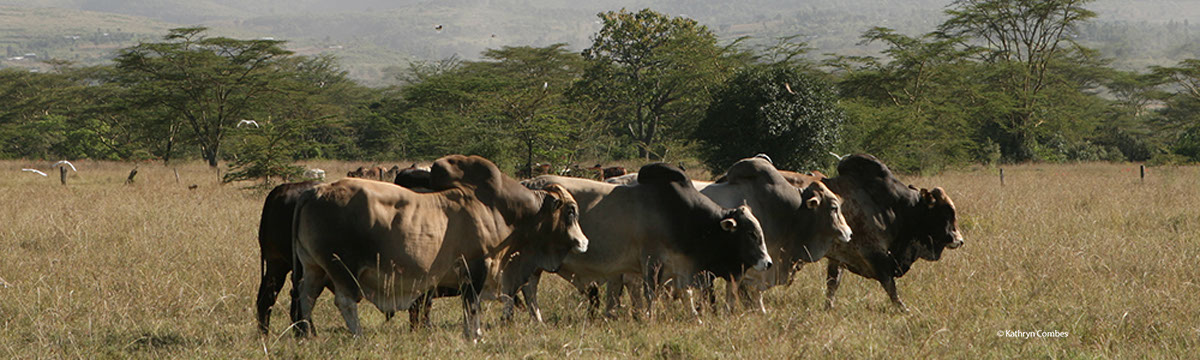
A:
997, 81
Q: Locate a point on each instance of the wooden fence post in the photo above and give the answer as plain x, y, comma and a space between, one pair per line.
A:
1142, 172
1001, 176
62, 174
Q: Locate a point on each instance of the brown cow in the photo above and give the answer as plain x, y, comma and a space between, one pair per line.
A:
893, 224
391, 245
275, 243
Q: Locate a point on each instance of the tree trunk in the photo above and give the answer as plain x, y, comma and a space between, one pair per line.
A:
167, 155
210, 154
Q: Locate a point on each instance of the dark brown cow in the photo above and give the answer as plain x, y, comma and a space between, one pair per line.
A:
893, 224
414, 177
656, 231
391, 245
275, 243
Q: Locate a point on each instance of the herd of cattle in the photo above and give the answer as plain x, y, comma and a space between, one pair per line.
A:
463, 228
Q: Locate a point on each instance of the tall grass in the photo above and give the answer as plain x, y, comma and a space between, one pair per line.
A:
98, 269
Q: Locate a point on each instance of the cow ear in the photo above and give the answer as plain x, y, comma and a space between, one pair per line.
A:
813, 202
551, 202
927, 198
939, 194
729, 225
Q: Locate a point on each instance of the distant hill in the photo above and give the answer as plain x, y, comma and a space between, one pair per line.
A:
83, 37
370, 35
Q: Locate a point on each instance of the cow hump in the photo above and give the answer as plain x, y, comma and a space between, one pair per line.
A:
662, 173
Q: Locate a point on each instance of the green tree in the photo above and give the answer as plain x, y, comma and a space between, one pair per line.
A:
778, 110
207, 84
912, 109
527, 104
651, 74
266, 151
1023, 39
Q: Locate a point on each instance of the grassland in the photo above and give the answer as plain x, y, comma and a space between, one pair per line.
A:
98, 269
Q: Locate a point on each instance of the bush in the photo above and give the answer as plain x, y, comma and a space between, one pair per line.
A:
777, 110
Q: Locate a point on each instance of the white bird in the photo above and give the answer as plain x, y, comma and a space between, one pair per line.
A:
66, 163
35, 171
789, 88
247, 122
839, 157
545, 84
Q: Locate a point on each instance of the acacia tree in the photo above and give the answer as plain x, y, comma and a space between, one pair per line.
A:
651, 74
206, 84
1023, 39
527, 103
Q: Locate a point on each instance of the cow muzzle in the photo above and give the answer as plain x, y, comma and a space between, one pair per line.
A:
844, 235
957, 242
763, 264
581, 241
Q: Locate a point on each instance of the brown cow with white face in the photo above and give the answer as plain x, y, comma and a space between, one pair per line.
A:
390, 245
800, 224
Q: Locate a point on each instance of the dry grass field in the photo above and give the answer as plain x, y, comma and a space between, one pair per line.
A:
99, 269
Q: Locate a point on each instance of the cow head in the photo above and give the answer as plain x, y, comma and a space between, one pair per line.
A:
939, 220
826, 206
748, 235
558, 219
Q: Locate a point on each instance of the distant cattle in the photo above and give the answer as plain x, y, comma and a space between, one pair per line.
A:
391, 245
373, 173
893, 224
659, 230
799, 226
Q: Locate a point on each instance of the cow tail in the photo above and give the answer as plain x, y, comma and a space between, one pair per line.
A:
297, 268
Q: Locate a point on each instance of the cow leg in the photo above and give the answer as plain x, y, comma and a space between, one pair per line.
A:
615, 288
691, 296
753, 296
418, 312
592, 292
833, 278
274, 274
889, 285
648, 294
311, 285
705, 291
637, 298
530, 290
471, 323
348, 305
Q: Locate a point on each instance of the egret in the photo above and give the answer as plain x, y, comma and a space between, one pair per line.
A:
247, 122
64, 163
35, 171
